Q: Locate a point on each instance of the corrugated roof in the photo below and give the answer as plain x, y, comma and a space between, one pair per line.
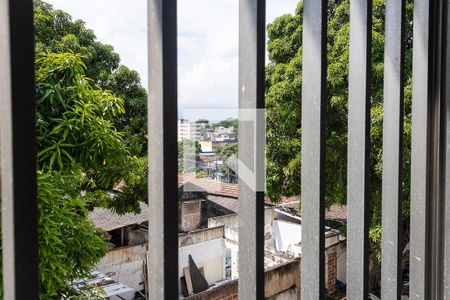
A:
108, 220
109, 286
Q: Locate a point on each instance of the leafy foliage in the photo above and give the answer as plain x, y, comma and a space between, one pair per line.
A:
56, 32
283, 99
75, 121
229, 154
69, 244
230, 122
227, 150
125, 83
91, 125
134, 174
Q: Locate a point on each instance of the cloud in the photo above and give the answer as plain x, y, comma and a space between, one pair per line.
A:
207, 42
122, 24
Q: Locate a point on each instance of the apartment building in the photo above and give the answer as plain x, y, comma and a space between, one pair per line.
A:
191, 130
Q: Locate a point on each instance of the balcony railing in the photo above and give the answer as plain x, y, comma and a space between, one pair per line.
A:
430, 162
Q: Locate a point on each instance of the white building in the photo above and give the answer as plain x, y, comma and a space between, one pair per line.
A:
224, 134
191, 130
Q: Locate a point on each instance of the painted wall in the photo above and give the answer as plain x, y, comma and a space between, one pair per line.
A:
207, 247
231, 223
281, 283
287, 235
208, 254
125, 264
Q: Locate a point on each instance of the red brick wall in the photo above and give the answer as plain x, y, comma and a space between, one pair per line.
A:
331, 272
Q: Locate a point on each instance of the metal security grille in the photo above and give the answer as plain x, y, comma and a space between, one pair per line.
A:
430, 162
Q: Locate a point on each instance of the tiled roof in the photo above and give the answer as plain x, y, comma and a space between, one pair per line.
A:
336, 212
108, 220
212, 187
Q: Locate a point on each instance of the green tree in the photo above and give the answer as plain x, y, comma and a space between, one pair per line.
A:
81, 155
283, 99
56, 32
88, 110
69, 244
125, 83
229, 155
227, 150
228, 123
75, 122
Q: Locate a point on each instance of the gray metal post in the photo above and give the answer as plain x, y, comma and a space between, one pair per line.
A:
394, 76
18, 151
162, 150
314, 98
358, 186
251, 96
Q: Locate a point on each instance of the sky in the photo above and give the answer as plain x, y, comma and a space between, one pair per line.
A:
207, 46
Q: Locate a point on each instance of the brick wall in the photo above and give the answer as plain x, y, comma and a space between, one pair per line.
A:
331, 272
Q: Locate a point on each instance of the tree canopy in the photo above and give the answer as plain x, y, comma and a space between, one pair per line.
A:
283, 101
75, 122
69, 244
91, 134
56, 32
230, 122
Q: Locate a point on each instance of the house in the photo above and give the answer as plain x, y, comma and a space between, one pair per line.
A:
198, 200
282, 235
209, 236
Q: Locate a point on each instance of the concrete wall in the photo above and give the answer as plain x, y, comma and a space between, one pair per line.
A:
190, 215
209, 254
200, 235
207, 248
287, 235
231, 223
125, 265
281, 283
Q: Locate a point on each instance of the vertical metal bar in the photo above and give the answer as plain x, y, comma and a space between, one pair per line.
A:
392, 149
18, 151
162, 149
314, 99
446, 271
419, 150
358, 189
251, 199
428, 150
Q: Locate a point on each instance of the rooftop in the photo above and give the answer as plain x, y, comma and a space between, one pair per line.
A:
108, 220
212, 187
335, 212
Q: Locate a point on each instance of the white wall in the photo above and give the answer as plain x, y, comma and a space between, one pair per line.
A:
287, 235
125, 265
341, 254
231, 223
209, 254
